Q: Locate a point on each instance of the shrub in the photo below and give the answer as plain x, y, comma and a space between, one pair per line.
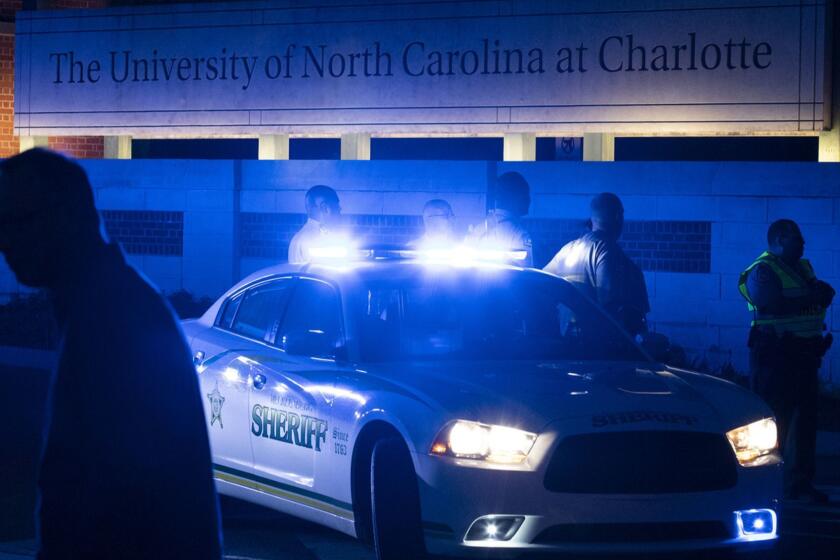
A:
187, 306
27, 320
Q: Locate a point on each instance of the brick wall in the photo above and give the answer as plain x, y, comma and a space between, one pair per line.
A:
82, 147
8, 142
658, 245
146, 232
174, 218
655, 245
75, 4
8, 9
267, 236
669, 246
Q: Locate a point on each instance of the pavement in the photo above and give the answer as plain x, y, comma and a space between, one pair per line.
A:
828, 444
811, 531
252, 532
255, 533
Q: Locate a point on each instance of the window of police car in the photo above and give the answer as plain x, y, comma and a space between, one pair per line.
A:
485, 317
229, 311
260, 312
312, 325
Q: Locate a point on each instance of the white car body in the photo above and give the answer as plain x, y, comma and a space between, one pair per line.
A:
285, 431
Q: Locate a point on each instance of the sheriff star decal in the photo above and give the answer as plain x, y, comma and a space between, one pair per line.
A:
216, 402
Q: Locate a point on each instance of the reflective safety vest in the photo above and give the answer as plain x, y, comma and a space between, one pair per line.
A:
806, 323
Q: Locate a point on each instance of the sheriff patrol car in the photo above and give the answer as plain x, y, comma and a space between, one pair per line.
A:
453, 406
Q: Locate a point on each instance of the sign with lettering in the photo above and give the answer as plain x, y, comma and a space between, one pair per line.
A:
423, 68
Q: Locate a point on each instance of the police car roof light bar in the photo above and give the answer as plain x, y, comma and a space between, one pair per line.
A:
459, 255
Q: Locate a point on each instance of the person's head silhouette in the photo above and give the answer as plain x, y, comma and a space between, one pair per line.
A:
48, 220
322, 204
607, 215
512, 193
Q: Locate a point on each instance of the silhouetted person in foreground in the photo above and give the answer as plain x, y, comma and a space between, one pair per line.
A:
125, 469
597, 264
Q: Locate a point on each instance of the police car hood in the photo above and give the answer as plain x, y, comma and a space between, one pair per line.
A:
532, 394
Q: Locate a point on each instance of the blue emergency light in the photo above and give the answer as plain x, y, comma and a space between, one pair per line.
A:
756, 524
459, 255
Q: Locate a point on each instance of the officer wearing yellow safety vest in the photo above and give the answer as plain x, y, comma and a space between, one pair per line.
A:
786, 347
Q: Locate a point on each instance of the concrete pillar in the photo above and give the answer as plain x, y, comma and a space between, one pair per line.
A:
829, 145
117, 147
29, 142
355, 145
829, 148
520, 147
273, 146
598, 146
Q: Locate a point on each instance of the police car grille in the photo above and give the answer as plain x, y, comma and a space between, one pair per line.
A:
633, 532
642, 463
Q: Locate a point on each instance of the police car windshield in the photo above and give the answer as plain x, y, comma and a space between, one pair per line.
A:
490, 315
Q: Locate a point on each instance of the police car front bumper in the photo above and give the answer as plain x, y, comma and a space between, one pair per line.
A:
454, 498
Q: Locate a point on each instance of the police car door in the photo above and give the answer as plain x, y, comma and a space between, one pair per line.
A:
291, 404
232, 351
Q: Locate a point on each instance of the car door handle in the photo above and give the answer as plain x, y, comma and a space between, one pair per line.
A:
198, 357
259, 381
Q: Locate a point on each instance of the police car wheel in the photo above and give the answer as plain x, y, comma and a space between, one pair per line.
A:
395, 503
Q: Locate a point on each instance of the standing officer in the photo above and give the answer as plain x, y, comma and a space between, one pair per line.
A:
439, 224
786, 347
323, 211
502, 229
596, 263
125, 470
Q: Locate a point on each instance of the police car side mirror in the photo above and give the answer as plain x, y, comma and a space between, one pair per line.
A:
314, 344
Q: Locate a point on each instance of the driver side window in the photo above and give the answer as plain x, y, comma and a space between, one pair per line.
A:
261, 310
312, 326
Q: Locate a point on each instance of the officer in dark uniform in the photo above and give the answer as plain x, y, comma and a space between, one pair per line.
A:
597, 264
786, 347
503, 229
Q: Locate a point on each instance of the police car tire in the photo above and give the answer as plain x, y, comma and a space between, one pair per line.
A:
395, 503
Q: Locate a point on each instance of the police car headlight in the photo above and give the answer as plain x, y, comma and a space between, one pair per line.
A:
483, 442
755, 444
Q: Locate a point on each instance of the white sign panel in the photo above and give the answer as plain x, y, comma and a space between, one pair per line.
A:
423, 68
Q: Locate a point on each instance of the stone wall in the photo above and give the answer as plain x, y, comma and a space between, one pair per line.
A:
691, 226
704, 311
